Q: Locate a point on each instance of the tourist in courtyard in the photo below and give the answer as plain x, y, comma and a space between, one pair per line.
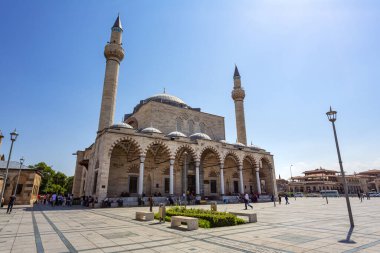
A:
171, 202
286, 199
53, 199
12, 200
246, 201
279, 199
150, 203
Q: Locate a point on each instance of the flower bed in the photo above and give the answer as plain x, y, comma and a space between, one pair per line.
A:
206, 218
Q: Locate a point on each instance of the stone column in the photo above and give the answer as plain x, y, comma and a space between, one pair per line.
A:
197, 183
222, 179
184, 174
258, 181
241, 179
171, 173
141, 176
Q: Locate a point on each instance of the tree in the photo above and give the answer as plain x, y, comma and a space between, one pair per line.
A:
47, 174
69, 184
52, 181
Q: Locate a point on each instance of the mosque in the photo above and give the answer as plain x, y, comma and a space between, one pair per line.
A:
166, 146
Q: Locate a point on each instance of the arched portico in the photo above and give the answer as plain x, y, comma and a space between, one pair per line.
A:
184, 167
209, 172
232, 174
123, 169
249, 174
158, 173
266, 177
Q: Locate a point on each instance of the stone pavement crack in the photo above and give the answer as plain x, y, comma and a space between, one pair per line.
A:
37, 235
69, 246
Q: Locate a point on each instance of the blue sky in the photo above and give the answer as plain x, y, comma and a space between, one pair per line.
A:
296, 58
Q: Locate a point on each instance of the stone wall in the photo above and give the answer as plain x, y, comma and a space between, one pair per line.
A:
28, 186
168, 118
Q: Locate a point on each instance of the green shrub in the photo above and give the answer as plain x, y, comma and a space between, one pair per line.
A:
207, 218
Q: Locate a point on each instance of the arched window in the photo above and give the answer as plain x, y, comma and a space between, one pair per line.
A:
191, 127
202, 127
179, 124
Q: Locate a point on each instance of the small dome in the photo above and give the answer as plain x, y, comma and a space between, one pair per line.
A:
239, 144
121, 125
223, 141
176, 134
201, 136
150, 130
254, 147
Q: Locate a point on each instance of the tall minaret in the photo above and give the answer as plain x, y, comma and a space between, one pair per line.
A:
114, 54
238, 95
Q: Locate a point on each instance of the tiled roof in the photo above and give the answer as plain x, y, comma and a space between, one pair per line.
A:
12, 165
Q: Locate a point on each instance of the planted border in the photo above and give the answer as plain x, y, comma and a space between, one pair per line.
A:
207, 218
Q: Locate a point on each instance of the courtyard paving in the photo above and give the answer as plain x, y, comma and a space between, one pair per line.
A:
306, 225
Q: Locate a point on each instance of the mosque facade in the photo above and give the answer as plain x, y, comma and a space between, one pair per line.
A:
166, 146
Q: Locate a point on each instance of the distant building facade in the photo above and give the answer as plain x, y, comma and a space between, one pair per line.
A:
28, 184
372, 178
322, 179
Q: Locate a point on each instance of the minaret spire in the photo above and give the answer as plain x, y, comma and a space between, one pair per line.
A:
236, 74
117, 22
114, 54
238, 95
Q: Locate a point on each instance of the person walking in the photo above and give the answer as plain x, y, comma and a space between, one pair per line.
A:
150, 203
246, 201
286, 199
12, 200
279, 199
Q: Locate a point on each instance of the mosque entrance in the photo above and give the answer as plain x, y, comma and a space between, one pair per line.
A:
133, 184
191, 183
236, 186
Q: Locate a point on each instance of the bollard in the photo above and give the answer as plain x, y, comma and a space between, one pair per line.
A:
214, 206
162, 212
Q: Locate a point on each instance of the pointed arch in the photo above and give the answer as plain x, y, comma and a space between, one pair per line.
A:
234, 156
251, 159
160, 144
124, 139
213, 150
185, 147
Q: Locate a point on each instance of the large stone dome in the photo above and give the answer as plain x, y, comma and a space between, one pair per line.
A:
164, 97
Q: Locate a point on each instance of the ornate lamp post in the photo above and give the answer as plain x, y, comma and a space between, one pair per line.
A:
14, 135
19, 171
331, 115
291, 175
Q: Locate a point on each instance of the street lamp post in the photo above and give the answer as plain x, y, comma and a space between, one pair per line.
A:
291, 176
331, 115
19, 172
14, 135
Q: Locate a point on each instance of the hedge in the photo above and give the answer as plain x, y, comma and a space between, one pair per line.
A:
207, 218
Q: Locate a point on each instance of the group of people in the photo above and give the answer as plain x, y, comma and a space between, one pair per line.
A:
54, 199
88, 201
363, 195
286, 197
